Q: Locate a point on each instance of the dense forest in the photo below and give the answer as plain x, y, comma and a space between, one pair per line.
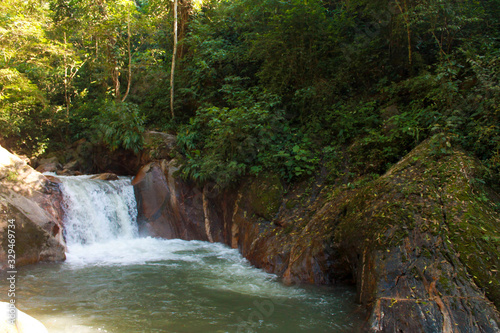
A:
282, 86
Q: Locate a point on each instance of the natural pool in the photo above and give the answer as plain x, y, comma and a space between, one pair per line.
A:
116, 281
152, 285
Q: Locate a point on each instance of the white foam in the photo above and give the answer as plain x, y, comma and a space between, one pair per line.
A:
97, 211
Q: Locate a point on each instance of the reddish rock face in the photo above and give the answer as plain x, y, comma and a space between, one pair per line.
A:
167, 207
171, 208
50, 199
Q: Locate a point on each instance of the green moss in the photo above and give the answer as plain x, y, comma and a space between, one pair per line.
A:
426, 253
291, 203
12, 175
264, 195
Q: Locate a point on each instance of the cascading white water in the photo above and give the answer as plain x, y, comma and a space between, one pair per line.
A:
98, 211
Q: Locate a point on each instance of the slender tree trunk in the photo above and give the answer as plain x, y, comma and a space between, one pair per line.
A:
129, 61
66, 92
174, 54
116, 80
406, 18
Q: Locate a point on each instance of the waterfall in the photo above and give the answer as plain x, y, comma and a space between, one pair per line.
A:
98, 211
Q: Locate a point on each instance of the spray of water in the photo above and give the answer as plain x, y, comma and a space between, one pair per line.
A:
98, 211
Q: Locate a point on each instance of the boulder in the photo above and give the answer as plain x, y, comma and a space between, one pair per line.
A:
70, 169
167, 206
48, 165
72, 165
158, 146
24, 323
33, 203
421, 241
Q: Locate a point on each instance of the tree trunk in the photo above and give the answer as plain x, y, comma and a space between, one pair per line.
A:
66, 90
129, 61
174, 54
406, 18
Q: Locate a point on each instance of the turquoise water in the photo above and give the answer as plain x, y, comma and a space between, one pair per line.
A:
115, 281
152, 285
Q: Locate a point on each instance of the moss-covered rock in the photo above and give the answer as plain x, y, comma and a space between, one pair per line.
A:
421, 241
264, 195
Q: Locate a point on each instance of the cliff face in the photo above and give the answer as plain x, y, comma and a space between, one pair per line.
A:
33, 202
243, 218
421, 242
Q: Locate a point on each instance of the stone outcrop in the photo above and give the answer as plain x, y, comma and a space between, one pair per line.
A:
50, 164
420, 242
247, 218
167, 206
33, 202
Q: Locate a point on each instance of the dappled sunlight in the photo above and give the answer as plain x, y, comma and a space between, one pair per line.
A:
69, 323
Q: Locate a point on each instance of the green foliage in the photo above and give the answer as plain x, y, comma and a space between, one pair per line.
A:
220, 143
262, 85
291, 156
29, 72
119, 125
459, 98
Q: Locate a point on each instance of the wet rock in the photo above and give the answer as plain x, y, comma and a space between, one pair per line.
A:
66, 172
105, 176
72, 165
295, 245
169, 207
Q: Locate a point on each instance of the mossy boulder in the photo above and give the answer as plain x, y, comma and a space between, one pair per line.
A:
158, 146
422, 243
